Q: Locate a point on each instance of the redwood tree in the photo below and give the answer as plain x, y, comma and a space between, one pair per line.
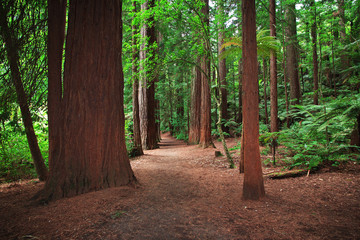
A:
205, 120
222, 68
315, 56
147, 101
88, 153
292, 70
273, 79
137, 149
253, 180
195, 107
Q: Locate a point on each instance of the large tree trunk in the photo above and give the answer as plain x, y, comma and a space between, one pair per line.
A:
12, 52
147, 84
205, 120
91, 145
137, 148
315, 56
292, 53
253, 180
195, 107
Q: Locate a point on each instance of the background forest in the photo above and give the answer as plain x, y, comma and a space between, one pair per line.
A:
312, 119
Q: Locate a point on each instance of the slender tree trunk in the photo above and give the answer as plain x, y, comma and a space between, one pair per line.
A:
92, 152
148, 79
12, 53
137, 148
265, 94
222, 71
205, 120
292, 53
253, 180
315, 56
240, 72
195, 108
273, 81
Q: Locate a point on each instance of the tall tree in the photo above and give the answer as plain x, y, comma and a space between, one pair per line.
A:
137, 149
273, 79
205, 120
314, 55
292, 52
222, 67
12, 51
195, 107
90, 152
253, 180
147, 101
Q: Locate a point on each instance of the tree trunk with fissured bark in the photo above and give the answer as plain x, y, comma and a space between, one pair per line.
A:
253, 187
91, 152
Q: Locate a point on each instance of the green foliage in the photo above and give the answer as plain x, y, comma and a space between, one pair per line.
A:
16, 161
265, 44
322, 133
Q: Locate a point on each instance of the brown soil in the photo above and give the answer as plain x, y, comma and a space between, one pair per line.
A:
187, 193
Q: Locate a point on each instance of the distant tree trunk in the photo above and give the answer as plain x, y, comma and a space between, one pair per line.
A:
273, 80
222, 71
265, 94
292, 53
205, 120
91, 145
315, 56
240, 72
240, 69
253, 180
12, 53
137, 148
147, 83
195, 108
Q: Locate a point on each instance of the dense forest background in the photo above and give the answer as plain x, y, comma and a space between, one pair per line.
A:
317, 70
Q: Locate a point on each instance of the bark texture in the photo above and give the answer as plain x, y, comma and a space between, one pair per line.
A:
205, 121
315, 56
137, 148
273, 73
91, 147
222, 72
292, 53
253, 180
195, 108
147, 101
12, 53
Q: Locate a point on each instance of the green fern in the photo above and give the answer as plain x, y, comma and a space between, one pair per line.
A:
265, 44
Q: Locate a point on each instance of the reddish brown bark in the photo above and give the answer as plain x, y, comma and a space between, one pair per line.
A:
265, 93
273, 73
240, 71
222, 73
147, 103
56, 37
253, 180
195, 107
315, 56
137, 148
12, 53
205, 119
292, 53
91, 145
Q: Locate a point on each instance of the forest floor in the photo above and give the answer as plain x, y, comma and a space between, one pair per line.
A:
184, 192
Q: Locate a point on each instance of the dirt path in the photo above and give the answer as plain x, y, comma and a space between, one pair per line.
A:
187, 193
